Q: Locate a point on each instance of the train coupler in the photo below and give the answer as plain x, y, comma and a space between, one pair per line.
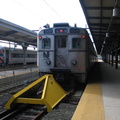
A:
44, 91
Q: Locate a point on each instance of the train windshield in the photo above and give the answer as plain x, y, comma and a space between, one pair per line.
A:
61, 42
76, 43
46, 43
1, 54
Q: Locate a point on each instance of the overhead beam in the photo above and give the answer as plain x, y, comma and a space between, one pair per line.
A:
98, 8
14, 27
29, 41
91, 17
10, 32
93, 28
98, 24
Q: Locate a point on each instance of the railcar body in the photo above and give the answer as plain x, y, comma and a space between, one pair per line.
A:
65, 51
15, 56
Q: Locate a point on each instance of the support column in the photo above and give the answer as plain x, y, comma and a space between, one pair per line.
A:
105, 58
112, 59
109, 59
24, 46
116, 59
116, 53
24, 55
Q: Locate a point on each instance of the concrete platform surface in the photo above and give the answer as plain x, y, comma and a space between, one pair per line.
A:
101, 98
16, 72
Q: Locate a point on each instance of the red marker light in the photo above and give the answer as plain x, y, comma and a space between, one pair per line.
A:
40, 37
83, 36
61, 30
79, 67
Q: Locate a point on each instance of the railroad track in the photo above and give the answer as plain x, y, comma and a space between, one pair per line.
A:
14, 87
24, 112
7, 91
74, 99
32, 111
66, 108
28, 112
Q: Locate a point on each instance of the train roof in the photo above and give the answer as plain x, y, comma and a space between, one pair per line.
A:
61, 25
56, 25
7, 48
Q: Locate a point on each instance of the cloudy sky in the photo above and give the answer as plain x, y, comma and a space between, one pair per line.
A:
33, 14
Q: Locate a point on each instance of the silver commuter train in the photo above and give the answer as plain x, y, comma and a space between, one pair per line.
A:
16, 56
65, 51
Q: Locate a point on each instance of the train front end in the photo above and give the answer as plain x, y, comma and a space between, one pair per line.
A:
2, 56
62, 51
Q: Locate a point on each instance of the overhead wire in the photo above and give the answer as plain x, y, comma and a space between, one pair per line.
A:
51, 8
31, 12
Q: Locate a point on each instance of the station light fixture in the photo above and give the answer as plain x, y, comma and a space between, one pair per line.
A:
104, 42
116, 12
107, 34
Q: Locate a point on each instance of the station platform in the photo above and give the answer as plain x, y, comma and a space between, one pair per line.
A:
101, 97
18, 75
8, 73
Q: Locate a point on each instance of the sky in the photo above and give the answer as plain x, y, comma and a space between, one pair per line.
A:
34, 14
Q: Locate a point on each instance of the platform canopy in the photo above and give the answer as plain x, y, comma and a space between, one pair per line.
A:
15, 33
103, 18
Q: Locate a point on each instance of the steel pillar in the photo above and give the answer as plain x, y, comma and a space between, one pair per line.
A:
112, 59
116, 59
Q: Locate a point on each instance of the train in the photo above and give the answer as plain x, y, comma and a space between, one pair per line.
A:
16, 56
66, 52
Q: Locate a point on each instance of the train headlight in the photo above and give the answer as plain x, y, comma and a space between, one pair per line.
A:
74, 62
48, 62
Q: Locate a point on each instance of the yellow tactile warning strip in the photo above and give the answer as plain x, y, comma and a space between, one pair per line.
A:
91, 105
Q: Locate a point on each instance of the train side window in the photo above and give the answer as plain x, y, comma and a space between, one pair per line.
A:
31, 56
46, 44
62, 42
76, 43
1, 54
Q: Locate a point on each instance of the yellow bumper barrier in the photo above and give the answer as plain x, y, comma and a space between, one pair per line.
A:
44, 91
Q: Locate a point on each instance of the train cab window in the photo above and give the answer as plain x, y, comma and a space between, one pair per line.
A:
76, 43
61, 42
46, 43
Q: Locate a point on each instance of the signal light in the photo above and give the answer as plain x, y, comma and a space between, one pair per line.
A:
40, 37
61, 30
83, 36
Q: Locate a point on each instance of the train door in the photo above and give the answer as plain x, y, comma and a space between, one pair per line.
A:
61, 51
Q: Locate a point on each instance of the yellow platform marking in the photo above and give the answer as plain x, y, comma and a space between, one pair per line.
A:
91, 105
